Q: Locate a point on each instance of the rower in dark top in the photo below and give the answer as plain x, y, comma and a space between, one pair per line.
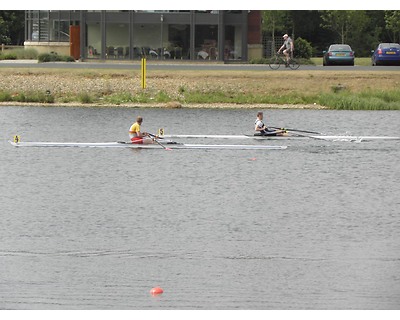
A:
262, 130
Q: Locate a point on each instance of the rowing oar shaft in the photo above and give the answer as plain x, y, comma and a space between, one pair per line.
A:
305, 131
155, 139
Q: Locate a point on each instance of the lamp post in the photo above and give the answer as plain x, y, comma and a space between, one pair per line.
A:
162, 47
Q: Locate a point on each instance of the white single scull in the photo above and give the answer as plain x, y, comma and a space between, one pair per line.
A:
320, 137
146, 146
227, 136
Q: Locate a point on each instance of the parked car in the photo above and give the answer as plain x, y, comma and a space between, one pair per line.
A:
386, 53
339, 54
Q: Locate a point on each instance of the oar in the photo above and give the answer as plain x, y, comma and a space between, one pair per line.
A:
306, 136
297, 130
155, 139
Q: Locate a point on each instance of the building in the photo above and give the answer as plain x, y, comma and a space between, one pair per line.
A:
127, 35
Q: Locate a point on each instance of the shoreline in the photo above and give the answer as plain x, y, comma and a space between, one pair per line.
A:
197, 89
172, 105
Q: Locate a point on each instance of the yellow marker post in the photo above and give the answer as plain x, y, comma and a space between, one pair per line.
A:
143, 72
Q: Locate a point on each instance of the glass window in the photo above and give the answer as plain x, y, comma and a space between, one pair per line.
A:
93, 32
117, 40
233, 43
206, 42
178, 41
60, 31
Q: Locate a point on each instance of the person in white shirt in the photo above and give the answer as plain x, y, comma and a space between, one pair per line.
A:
262, 130
289, 47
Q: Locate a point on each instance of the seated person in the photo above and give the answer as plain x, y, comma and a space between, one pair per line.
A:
153, 53
136, 135
203, 54
262, 130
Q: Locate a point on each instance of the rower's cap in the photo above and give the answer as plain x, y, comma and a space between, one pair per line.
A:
285, 35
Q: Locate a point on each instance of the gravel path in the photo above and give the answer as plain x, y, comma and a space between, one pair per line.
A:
64, 85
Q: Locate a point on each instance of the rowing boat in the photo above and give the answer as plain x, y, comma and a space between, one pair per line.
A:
146, 146
226, 136
284, 137
354, 138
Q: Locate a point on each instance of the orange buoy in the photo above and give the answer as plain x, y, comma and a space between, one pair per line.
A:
156, 291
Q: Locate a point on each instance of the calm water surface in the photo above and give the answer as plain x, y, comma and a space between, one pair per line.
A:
315, 226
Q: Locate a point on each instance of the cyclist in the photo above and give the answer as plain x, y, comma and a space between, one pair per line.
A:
289, 48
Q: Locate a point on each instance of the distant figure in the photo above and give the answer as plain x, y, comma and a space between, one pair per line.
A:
136, 135
262, 130
202, 54
153, 53
289, 48
166, 54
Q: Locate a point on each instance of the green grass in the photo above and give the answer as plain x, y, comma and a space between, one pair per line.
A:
85, 98
19, 54
30, 96
352, 89
337, 99
301, 61
314, 61
48, 57
366, 100
126, 97
343, 99
357, 61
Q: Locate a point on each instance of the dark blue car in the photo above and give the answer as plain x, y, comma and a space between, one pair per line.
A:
386, 53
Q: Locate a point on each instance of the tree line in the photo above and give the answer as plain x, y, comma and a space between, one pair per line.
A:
12, 26
363, 30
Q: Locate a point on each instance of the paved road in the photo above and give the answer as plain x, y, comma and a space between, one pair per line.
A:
151, 65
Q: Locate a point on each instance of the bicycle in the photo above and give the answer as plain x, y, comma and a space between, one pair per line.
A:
280, 58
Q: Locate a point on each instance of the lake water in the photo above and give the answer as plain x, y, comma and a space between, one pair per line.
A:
315, 226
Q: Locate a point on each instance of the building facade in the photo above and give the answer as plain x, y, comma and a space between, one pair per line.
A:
128, 35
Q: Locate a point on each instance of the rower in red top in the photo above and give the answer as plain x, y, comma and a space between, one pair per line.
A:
136, 135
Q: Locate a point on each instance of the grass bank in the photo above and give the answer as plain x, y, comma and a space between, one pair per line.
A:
350, 89
358, 61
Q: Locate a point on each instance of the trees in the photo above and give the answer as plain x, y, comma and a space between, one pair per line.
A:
303, 48
392, 19
12, 27
273, 21
337, 21
362, 29
4, 38
349, 25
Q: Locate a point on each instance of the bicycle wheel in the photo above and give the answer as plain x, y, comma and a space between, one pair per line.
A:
275, 62
293, 64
